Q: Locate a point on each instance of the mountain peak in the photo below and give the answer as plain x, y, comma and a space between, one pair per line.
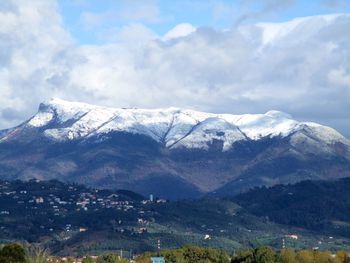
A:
184, 150
62, 120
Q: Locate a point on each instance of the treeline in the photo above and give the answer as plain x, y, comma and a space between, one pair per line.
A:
268, 255
188, 254
192, 254
15, 253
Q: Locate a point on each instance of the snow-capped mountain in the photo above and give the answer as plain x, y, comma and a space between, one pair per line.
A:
172, 127
171, 152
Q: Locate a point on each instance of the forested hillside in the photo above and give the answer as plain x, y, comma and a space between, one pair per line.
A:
316, 205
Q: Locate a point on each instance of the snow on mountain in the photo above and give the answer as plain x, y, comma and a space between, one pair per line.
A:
212, 128
173, 127
41, 119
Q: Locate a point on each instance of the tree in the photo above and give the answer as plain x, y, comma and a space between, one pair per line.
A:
288, 256
193, 254
170, 257
323, 257
305, 256
244, 257
111, 258
36, 254
264, 255
144, 258
343, 257
12, 253
88, 260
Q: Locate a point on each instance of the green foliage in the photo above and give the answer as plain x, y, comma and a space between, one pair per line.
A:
35, 254
323, 257
175, 223
258, 255
88, 260
144, 258
111, 258
308, 204
305, 256
288, 256
244, 257
12, 253
343, 257
189, 254
266, 254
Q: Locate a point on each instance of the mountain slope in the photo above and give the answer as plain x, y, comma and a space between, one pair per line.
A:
174, 153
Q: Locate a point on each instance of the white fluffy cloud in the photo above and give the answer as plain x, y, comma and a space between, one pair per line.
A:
31, 39
301, 67
181, 30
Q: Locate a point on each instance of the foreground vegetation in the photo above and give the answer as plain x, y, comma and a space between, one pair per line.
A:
15, 253
259, 255
268, 255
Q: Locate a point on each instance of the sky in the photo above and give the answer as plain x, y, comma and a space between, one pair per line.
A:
243, 56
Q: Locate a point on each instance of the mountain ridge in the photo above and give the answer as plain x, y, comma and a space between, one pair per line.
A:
63, 120
173, 153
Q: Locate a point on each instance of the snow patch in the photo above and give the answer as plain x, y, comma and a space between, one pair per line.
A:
41, 119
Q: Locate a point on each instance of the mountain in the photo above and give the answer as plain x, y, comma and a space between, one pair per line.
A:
172, 153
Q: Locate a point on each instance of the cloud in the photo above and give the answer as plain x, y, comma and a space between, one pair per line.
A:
335, 3
91, 20
254, 10
31, 33
116, 21
339, 77
180, 30
302, 69
117, 12
140, 11
135, 33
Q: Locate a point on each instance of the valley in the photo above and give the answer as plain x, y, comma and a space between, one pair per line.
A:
72, 219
